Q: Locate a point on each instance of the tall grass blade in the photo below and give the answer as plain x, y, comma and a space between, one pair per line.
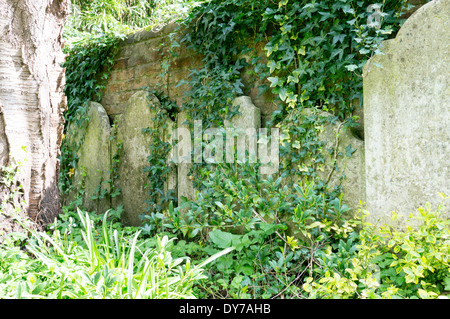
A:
214, 257
131, 265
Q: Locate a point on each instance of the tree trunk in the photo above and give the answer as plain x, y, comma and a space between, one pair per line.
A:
31, 98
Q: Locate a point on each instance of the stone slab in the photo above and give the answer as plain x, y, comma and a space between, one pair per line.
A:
407, 116
133, 181
93, 167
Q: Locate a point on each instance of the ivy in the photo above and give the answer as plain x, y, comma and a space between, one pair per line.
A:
315, 51
159, 150
88, 66
283, 228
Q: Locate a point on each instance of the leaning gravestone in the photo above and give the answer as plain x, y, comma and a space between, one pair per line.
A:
345, 166
248, 119
243, 131
343, 155
407, 116
132, 180
94, 159
183, 159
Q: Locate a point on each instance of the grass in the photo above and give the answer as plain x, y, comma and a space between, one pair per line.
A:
106, 263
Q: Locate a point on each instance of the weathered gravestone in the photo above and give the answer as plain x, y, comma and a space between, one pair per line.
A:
345, 166
242, 132
343, 155
246, 123
182, 157
407, 116
94, 159
132, 181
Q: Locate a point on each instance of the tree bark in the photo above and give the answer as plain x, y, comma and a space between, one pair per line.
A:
31, 98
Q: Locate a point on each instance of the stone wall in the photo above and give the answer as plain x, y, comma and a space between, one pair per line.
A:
139, 63
402, 163
126, 106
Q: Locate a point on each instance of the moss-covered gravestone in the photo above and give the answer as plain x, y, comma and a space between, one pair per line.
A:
407, 116
91, 177
132, 178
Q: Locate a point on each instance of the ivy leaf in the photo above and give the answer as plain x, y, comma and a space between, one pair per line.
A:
274, 81
302, 50
351, 67
447, 283
270, 48
349, 150
272, 66
325, 15
339, 38
283, 94
291, 98
292, 79
270, 11
348, 9
364, 51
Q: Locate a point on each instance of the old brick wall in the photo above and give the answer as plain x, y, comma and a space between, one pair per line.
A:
140, 62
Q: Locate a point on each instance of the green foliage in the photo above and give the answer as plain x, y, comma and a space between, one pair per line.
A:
280, 229
314, 52
88, 66
122, 16
103, 262
411, 262
219, 30
280, 232
111, 14
158, 168
94, 33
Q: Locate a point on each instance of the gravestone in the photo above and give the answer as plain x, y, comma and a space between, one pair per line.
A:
244, 127
343, 155
138, 115
94, 158
407, 116
348, 155
249, 118
183, 159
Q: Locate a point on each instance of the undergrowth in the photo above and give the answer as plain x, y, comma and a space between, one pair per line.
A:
78, 258
290, 237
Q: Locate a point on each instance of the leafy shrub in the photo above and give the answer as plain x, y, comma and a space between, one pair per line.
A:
277, 232
412, 262
122, 15
280, 233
